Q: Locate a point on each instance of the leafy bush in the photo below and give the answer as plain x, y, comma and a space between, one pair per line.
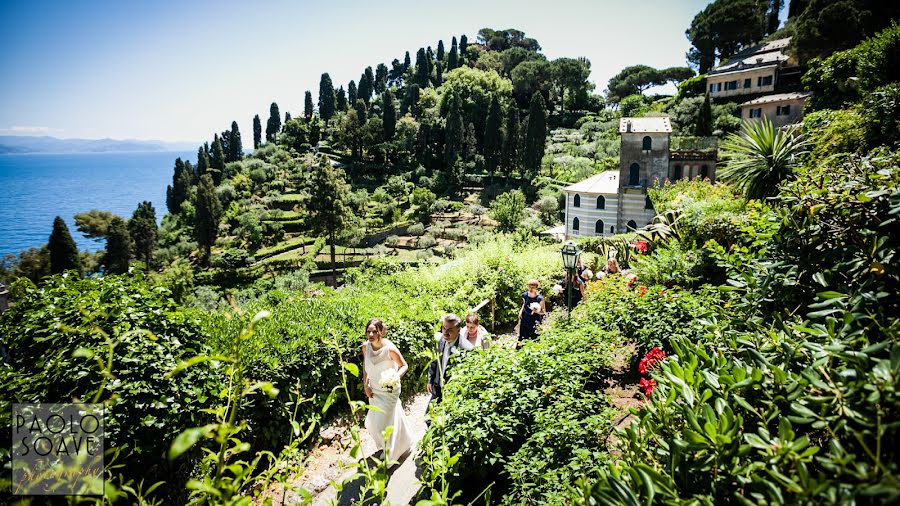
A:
508, 209
834, 131
670, 265
426, 241
416, 229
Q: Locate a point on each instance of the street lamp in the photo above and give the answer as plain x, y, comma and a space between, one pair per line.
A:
570, 254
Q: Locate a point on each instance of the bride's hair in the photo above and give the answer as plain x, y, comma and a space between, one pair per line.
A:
379, 325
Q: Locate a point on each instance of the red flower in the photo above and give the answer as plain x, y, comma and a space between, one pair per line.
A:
647, 385
662, 292
641, 246
641, 291
649, 362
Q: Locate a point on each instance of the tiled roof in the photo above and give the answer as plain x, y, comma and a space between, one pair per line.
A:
761, 55
651, 124
781, 97
604, 182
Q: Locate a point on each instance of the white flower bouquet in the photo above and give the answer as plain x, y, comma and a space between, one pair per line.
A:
534, 307
390, 380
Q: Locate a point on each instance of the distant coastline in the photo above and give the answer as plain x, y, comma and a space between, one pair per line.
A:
26, 145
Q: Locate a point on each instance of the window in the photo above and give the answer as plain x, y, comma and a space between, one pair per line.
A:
577, 201
704, 172
634, 175
601, 202
747, 82
764, 81
647, 143
676, 173
598, 229
575, 224
632, 225
755, 112
714, 87
648, 204
612, 229
731, 85
783, 110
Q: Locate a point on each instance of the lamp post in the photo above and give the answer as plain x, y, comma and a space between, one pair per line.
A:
570, 254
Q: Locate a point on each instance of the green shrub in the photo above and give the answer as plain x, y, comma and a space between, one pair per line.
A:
416, 229
834, 131
508, 209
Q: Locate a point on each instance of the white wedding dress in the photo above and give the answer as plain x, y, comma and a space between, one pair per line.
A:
376, 362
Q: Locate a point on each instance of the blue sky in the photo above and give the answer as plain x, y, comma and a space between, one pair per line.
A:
180, 71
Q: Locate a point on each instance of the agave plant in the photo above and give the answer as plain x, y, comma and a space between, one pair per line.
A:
663, 227
761, 156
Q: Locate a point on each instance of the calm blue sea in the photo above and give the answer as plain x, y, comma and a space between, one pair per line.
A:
36, 188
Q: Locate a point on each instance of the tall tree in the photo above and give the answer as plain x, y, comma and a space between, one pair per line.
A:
118, 247
202, 162
209, 212
440, 50
773, 22
217, 163
463, 45
407, 62
287, 116
235, 146
455, 135
308, 107
570, 74
351, 93
273, 126
180, 188
536, 135
63, 252
705, 118
328, 208
326, 98
412, 99
144, 232
366, 85
389, 115
362, 112
633, 80
438, 74
423, 78
511, 140
493, 141
381, 75
257, 132
94, 224
340, 99
453, 57
723, 28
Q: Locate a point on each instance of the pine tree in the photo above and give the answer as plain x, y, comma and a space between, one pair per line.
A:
273, 126
202, 162
63, 252
340, 98
326, 98
257, 132
209, 212
235, 146
217, 164
118, 247
536, 135
705, 118
455, 135
381, 73
511, 140
308, 107
440, 50
328, 209
422, 76
144, 232
407, 62
493, 141
389, 116
351, 93
453, 57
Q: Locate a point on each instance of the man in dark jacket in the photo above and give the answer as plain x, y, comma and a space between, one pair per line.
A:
447, 342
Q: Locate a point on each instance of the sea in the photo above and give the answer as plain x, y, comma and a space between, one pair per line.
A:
35, 188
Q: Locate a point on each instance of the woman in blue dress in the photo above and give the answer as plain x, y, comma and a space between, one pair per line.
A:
532, 311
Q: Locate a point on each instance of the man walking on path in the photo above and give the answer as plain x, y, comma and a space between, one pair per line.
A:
447, 344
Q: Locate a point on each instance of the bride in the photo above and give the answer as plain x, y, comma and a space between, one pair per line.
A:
383, 366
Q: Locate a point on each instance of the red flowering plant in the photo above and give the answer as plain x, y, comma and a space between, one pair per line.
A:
641, 246
647, 365
641, 291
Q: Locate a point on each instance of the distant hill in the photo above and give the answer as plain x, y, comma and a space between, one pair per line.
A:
15, 144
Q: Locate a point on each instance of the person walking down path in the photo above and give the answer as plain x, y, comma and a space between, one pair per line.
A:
532, 312
383, 367
448, 343
577, 290
474, 337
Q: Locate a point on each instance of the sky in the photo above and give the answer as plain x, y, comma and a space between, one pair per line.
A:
181, 71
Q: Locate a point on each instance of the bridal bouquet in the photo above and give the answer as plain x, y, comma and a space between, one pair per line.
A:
390, 380
534, 306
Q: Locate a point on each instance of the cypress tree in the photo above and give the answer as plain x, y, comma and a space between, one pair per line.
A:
143, 231
257, 132
463, 44
225, 138
389, 116
118, 247
455, 135
492, 137
362, 112
273, 126
326, 98
381, 74
235, 146
217, 164
440, 50
470, 146
351, 93
438, 74
422, 75
453, 57
341, 99
209, 212
536, 135
63, 252
315, 131
366, 85
328, 209
705, 118
429, 59
510, 153
180, 188
407, 62
202, 162
307, 106
287, 116
412, 100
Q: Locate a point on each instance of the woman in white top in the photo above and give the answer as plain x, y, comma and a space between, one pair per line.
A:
379, 356
474, 336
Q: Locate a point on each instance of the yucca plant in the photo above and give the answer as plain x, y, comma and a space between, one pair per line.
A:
761, 156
